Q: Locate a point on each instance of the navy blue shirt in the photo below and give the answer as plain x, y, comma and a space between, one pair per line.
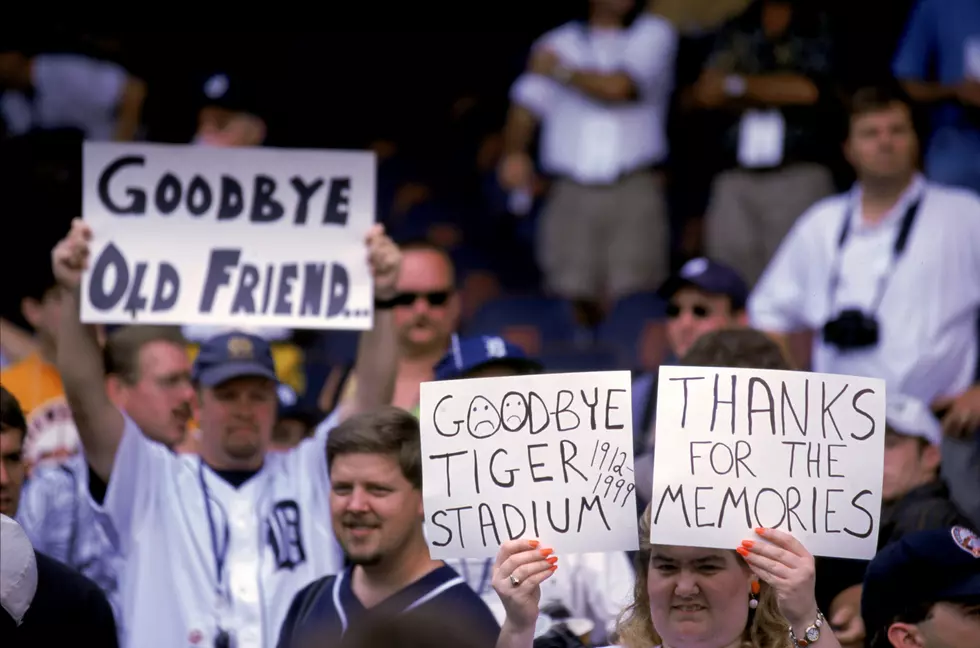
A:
327, 609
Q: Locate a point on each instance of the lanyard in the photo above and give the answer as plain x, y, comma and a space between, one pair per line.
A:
220, 553
901, 242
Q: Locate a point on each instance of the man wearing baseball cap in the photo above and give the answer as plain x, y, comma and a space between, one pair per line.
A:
484, 356
703, 296
924, 591
914, 498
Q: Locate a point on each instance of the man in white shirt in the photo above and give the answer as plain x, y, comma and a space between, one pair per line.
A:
600, 91
887, 276
215, 545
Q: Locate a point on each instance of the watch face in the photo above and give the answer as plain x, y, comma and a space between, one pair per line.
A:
812, 634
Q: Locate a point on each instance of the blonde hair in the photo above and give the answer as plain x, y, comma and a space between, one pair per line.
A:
767, 628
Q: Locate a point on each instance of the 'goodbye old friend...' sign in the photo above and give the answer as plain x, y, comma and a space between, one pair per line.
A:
741, 448
228, 236
547, 456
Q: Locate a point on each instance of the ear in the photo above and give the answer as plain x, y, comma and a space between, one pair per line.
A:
931, 457
742, 318
846, 149
30, 308
905, 635
115, 389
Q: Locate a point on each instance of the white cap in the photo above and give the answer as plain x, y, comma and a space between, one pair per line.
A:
18, 570
912, 417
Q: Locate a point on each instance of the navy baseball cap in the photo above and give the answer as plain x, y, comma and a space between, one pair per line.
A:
941, 565
233, 355
466, 355
711, 277
232, 92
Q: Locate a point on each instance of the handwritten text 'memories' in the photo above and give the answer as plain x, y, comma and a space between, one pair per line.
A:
728, 403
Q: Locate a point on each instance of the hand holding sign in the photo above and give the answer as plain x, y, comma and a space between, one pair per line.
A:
69, 258
521, 566
385, 259
782, 561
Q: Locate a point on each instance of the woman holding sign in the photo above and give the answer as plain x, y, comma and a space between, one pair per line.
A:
760, 594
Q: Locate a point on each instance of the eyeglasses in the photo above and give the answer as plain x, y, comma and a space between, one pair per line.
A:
435, 298
698, 311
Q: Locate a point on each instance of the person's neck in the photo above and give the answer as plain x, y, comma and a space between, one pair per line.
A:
737, 643
374, 583
227, 464
603, 19
420, 362
879, 196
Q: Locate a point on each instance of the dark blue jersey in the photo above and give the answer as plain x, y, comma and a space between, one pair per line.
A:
326, 610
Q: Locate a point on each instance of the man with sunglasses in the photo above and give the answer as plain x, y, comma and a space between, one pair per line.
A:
426, 312
703, 296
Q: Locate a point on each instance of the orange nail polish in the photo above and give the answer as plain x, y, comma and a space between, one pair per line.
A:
547, 552
552, 559
748, 543
553, 568
534, 543
742, 551
760, 530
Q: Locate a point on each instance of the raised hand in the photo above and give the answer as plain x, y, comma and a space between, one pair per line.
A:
385, 259
782, 561
70, 256
521, 567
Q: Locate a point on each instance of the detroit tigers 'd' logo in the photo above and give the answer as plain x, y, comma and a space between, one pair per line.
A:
285, 535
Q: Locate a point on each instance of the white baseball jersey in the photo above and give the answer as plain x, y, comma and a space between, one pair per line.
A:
269, 538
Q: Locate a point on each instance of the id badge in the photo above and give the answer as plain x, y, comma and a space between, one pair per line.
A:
761, 135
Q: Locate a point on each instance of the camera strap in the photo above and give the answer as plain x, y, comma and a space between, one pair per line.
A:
898, 248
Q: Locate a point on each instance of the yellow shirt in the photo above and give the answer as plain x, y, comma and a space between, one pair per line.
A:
51, 432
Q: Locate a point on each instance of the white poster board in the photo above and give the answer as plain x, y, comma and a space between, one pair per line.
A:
738, 449
228, 236
544, 456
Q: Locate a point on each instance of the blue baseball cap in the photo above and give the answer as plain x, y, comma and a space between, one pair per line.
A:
941, 565
466, 355
711, 277
233, 355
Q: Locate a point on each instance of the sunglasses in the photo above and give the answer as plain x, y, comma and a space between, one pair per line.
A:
436, 298
699, 312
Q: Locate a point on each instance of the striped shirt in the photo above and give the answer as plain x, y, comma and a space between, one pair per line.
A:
327, 609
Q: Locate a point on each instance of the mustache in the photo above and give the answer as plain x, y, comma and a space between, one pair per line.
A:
183, 411
350, 519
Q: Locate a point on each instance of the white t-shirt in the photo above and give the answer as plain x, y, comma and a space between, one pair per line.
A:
272, 536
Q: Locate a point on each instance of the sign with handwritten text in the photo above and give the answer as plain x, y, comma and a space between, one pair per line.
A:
545, 456
738, 449
229, 237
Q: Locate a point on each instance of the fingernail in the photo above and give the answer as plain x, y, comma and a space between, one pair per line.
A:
547, 552
553, 568
742, 551
748, 543
553, 559
760, 530
534, 543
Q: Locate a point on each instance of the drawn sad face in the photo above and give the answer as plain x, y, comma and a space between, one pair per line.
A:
483, 419
514, 411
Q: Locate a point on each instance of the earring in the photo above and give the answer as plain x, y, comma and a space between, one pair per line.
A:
754, 596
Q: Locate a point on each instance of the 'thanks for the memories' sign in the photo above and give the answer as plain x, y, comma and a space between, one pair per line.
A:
738, 449
546, 456
228, 236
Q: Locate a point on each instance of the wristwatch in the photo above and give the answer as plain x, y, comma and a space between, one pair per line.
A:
810, 635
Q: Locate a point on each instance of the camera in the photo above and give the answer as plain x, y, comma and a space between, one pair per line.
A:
852, 329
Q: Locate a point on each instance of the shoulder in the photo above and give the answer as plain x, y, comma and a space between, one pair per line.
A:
560, 35
648, 25
825, 211
60, 583
954, 200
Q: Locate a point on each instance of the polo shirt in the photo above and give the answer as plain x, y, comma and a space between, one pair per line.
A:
327, 609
